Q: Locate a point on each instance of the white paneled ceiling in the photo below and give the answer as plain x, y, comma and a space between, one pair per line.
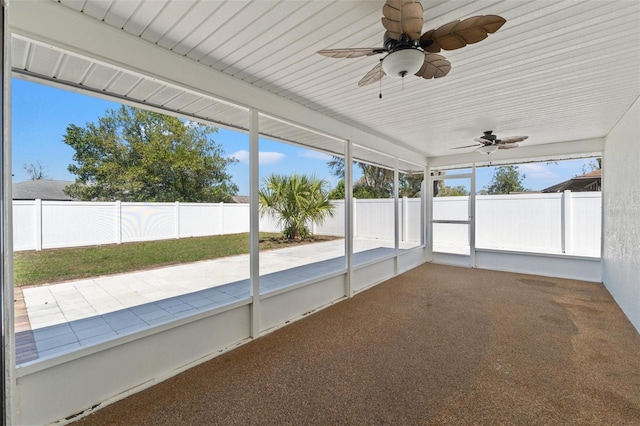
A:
558, 71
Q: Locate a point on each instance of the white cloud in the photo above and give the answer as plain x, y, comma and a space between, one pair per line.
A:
242, 156
316, 155
266, 158
537, 171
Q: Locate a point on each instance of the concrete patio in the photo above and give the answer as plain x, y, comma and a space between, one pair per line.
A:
438, 345
60, 318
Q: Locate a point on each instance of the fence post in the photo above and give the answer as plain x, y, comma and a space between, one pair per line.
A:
177, 216
38, 224
405, 219
353, 214
221, 218
566, 222
118, 222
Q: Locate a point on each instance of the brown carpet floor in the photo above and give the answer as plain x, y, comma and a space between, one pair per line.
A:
436, 345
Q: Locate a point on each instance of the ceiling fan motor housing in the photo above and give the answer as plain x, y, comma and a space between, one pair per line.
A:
488, 135
403, 62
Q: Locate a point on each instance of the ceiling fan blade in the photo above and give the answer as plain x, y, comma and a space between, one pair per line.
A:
457, 34
412, 27
446, 37
372, 76
468, 146
477, 28
490, 23
472, 30
434, 66
355, 52
512, 139
394, 28
507, 145
392, 35
483, 141
428, 43
403, 17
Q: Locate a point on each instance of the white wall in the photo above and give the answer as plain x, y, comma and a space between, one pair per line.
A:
621, 189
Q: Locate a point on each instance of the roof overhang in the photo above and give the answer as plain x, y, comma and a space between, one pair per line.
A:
561, 72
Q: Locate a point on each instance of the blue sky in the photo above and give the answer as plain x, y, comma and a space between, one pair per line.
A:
41, 115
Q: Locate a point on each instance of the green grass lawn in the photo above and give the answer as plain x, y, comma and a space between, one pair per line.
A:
46, 266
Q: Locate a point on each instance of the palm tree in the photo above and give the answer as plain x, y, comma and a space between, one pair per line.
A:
295, 202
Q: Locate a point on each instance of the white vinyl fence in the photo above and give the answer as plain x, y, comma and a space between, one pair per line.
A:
568, 222
41, 225
548, 223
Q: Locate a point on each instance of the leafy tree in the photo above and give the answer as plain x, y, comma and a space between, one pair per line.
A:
137, 155
336, 164
410, 185
375, 182
452, 191
361, 189
337, 193
295, 201
36, 171
505, 180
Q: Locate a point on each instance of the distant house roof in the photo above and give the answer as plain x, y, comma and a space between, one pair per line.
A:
41, 189
240, 199
587, 182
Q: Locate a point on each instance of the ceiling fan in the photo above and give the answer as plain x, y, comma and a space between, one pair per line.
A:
488, 142
410, 52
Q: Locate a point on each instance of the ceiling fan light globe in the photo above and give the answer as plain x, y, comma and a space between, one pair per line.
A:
487, 149
403, 62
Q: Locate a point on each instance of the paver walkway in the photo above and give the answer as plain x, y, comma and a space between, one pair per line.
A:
68, 316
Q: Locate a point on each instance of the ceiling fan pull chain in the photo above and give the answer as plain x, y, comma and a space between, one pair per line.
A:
380, 95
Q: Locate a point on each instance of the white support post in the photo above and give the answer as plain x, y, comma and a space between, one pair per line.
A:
118, 230
603, 195
472, 218
428, 213
7, 370
424, 196
396, 215
566, 222
349, 217
254, 222
177, 219
38, 224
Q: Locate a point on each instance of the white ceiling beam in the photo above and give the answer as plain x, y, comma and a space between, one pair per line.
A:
543, 152
59, 26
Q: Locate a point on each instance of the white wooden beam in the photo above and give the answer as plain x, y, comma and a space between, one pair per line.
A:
531, 153
7, 346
